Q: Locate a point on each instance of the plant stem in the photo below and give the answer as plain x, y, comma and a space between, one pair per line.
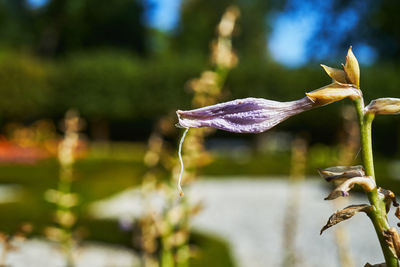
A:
378, 213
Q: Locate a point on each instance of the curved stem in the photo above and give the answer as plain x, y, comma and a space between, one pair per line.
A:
378, 214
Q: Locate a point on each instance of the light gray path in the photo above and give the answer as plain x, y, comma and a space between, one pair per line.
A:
249, 215
39, 253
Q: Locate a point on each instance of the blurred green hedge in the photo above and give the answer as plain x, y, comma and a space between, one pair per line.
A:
115, 85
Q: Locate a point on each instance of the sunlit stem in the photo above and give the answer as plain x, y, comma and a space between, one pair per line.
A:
378, 214
181, 161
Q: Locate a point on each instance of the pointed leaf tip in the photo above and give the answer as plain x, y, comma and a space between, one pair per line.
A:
344, 214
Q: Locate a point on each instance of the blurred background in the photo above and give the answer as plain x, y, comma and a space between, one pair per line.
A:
88, 143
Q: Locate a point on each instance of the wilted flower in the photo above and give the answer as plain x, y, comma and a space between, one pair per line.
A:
347, 177
367, 183
340, 173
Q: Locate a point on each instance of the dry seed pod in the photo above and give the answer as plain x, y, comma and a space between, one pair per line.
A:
392, 238
345, 214
397, 214
389, 197
387, 105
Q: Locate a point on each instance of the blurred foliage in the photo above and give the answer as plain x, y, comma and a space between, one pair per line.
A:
63, 26
199, 17
102, 60
24, 88
116, 85
119, 86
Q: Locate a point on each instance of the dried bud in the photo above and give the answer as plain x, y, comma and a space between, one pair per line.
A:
397, 214
336, 74
392, 238
333, 92
352, 69
367, 183
388, 197
341, 173
384, 106
345, 214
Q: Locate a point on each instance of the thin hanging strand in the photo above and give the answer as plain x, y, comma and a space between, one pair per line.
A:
180, 159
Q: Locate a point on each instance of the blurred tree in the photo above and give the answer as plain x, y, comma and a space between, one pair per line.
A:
62, 26
80, 24
380, 28
197, 25
16, 23
199, 17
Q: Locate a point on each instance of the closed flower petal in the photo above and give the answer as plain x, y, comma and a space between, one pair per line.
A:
249, 115
386, 105
333, 92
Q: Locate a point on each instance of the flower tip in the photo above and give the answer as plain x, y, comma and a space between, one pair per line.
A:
352, 68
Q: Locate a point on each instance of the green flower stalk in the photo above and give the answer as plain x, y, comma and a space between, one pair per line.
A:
255, 115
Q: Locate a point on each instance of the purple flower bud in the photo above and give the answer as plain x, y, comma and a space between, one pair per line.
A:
249, 115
